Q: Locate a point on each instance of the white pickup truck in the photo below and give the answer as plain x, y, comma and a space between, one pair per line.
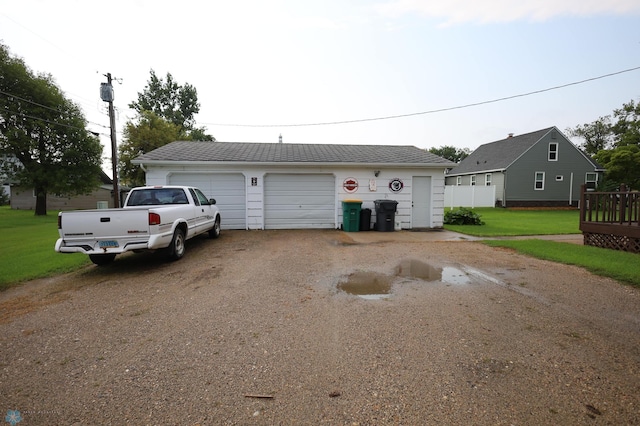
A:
152, 218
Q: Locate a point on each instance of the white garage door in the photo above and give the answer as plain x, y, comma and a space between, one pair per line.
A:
228, 189
294, 201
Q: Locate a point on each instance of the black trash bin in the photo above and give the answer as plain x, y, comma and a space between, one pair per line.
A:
385, 215
365, 219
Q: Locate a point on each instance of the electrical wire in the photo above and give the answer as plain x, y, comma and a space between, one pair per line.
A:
434, 111
20, 114
10, 95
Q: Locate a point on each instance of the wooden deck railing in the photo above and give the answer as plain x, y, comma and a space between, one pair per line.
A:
611, 219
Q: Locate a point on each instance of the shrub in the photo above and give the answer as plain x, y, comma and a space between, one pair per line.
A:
462, 216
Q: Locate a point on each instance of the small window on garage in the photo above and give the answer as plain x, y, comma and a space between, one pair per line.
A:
487, 179
459, 180
539, 181
473, 180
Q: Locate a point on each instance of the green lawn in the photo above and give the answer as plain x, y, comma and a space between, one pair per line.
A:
507, 222
619, 265
27, 249
500, 222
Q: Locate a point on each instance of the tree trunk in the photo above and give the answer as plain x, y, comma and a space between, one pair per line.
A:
41, 201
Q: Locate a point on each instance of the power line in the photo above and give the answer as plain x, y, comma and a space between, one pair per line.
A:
10, 95
20, 114
434, 111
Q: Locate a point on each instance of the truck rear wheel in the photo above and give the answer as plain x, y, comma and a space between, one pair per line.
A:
102, 259
176, 248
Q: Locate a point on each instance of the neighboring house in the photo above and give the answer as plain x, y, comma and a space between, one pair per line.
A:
537, 169
292, 186
24, 198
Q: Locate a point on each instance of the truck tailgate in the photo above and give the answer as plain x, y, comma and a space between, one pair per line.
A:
103, 231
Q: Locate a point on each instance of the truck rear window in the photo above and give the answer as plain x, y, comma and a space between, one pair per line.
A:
157, 196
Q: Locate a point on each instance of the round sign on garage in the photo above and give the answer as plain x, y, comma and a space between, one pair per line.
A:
350, 184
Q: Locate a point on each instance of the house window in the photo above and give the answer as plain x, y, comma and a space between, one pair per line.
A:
591, 180
487, 179
473, 180
553, 151
459, 180
539, 181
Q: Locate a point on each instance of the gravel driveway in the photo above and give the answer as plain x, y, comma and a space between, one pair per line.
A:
253, 329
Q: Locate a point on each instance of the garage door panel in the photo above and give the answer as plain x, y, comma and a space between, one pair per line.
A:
299, 201
228, 189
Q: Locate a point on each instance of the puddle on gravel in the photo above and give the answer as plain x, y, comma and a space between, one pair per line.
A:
374, 286
368, 285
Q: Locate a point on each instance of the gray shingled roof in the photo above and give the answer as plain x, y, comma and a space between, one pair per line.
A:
289, 153
498, 155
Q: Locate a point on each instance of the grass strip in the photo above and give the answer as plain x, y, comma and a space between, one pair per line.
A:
511, 222
27, 249
619, 265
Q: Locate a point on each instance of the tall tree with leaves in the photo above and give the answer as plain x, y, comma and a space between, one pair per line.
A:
596, 136
146, 134
451, 153
615, 144
175, 103
45, 133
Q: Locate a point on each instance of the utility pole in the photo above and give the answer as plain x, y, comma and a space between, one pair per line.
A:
106, 94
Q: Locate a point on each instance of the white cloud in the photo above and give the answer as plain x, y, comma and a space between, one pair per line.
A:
491, 11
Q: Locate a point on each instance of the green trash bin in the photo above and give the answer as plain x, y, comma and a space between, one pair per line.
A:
351, 215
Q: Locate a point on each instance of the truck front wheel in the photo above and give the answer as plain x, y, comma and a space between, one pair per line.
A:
102, 259
176, 249
215, 231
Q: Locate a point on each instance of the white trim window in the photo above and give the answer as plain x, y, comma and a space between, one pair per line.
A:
591, 180
487, 179
472, 182
553, 151
539, 181
458, 180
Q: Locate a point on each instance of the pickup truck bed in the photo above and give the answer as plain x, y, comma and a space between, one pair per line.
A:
153, 218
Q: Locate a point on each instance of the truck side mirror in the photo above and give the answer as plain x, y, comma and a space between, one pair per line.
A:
212, 200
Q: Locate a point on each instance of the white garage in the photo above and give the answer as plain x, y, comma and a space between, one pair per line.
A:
298, 201
302, 186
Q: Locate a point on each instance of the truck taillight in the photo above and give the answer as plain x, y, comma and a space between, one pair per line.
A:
154, 219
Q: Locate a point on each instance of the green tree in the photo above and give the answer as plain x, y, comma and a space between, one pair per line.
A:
451, 153
615, 144
597, 135
175, 103
45, 133
146, 134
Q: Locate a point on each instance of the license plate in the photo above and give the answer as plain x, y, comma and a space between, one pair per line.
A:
108, 244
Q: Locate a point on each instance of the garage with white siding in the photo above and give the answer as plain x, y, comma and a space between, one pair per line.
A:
302, 186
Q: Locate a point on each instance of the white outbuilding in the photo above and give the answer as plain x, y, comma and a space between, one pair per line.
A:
296, 186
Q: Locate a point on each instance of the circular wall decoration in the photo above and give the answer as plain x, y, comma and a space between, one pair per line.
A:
350, 184
396, 185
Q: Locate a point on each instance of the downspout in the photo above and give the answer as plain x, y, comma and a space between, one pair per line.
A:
571, 190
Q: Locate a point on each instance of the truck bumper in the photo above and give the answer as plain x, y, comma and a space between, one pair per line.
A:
93, 247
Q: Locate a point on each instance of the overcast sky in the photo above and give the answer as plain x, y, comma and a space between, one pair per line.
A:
264, 67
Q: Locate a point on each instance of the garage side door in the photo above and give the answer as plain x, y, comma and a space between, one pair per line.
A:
227, 188
299, 201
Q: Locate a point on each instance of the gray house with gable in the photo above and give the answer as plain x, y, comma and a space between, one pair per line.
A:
541, 168
297, 186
